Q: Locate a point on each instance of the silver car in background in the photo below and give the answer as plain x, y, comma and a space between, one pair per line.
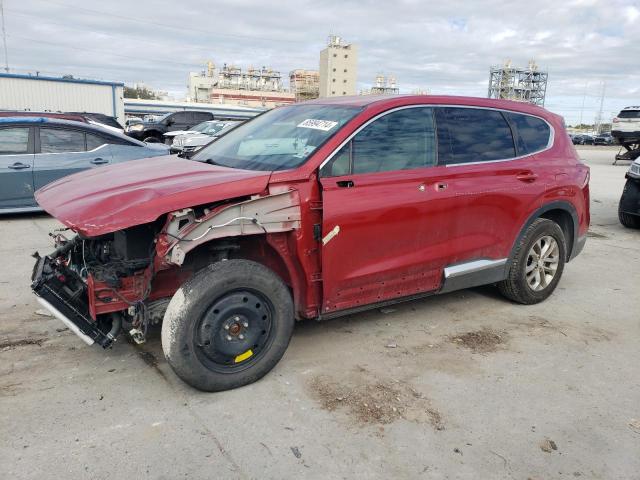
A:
188, 144
35, 151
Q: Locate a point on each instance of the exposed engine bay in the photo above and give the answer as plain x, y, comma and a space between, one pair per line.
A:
62, 280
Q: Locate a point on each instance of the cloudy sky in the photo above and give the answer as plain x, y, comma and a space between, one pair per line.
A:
444, 47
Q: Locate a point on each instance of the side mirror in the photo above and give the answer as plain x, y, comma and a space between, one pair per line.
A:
169, 122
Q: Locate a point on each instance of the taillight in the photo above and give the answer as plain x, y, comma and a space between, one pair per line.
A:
616, 119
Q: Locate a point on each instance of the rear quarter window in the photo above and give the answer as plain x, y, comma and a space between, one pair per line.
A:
532, 134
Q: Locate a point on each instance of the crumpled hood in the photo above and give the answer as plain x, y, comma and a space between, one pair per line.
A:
106, 199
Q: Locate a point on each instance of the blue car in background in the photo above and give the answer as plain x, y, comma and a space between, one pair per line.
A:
35, 151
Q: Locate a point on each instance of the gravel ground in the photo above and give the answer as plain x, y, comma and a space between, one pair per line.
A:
461, 386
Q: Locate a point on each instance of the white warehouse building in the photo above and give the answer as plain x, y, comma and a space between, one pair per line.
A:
53, 94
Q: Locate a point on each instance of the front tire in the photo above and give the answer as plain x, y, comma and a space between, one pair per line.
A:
228, 326
537, 265
629, 200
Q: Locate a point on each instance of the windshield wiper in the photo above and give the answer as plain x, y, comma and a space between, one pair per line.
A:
211, 161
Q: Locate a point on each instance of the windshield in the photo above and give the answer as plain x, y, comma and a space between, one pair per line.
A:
201, 127
279, 139
214, 127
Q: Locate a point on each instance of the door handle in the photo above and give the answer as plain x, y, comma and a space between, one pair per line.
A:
345, 183
527, 177
19, 166
99, 161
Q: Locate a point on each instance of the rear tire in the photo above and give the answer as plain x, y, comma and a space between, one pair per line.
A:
537, 264
228, 326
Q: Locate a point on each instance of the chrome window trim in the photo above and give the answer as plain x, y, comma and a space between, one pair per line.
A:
550, 143
74, 153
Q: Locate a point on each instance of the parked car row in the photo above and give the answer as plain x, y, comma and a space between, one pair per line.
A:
584, 139
154, 130
189, 142
35, 151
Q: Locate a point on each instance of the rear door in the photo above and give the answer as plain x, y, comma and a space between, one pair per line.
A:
62, 151
16, 167
491, 183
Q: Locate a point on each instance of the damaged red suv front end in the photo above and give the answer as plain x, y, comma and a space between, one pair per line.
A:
130, 257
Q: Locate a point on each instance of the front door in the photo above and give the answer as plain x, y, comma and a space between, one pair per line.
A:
379, 240
16, 168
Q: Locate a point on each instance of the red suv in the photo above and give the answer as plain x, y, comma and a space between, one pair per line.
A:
313, 211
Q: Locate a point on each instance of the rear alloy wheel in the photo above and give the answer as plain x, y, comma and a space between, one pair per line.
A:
537, 264
228, 326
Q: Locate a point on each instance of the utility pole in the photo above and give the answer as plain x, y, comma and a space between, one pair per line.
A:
584, 96
599, 122
4, 38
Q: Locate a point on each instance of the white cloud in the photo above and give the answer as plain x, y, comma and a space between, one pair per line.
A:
445, 47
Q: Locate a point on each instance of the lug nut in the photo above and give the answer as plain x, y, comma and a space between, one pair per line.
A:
236, 318
226, 327
245, 324
229, 337
241, 337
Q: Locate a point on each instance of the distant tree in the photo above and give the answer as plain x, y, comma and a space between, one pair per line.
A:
139, 92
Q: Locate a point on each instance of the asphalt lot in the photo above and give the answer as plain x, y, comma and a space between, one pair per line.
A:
460, 386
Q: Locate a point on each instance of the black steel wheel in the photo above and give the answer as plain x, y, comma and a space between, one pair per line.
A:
235, 331
228, 325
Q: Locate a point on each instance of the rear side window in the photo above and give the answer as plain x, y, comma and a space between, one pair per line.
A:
94, 141
199, 117
14, 141
532, 134
468, 135
59, 140
629, 114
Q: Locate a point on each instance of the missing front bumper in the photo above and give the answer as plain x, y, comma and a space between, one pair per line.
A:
64, 294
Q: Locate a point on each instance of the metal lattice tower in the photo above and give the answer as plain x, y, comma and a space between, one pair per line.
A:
520, 84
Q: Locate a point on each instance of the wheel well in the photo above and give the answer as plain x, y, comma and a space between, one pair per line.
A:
252, 247
564, 219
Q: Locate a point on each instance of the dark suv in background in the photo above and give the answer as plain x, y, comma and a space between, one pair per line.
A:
153, 131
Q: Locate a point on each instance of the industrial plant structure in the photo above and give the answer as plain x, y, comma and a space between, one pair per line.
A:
304, 84
385, 86
338, 68
521, 84
255, 87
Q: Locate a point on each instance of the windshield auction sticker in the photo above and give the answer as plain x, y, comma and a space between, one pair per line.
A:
324, 125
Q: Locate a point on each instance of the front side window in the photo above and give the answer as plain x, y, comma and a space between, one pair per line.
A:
14, 141
531, 133
400, 140
181, 117
59, 140
280, 139
473, 135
